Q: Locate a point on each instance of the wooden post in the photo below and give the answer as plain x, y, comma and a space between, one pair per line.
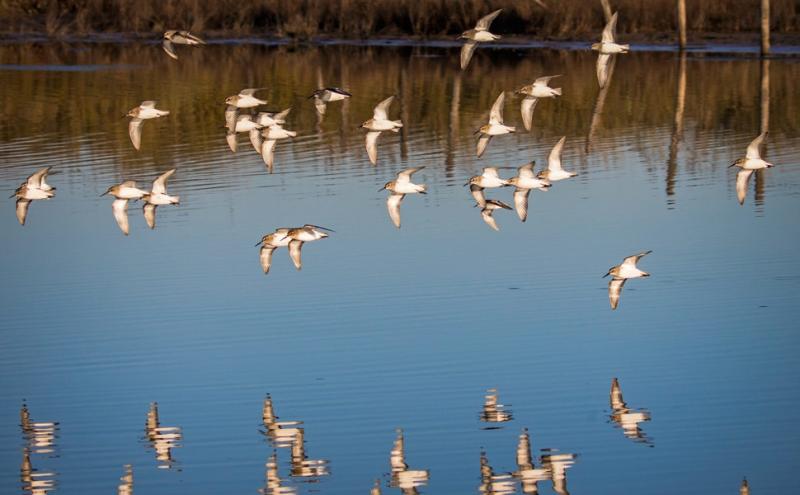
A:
606, 9
764, 27
682, 24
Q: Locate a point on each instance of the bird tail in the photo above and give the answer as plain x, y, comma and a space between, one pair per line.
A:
398, 123
291, 133
625, 47
177, 200
423, 189
557, 91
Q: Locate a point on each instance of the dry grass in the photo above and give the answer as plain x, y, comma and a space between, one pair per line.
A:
564, 19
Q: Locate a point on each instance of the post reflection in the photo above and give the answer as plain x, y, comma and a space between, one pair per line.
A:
407, 480
33, 481
495, 484
677, 126
162, 439
40, 436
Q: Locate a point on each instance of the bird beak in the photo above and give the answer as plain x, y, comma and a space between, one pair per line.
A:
732, 165
259, 243
606, 275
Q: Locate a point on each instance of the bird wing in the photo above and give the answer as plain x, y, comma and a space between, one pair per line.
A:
22, 210
483, 142
231, 116
280, 117
631, 260
320, 105
382, 109
148, 104
486, 21
528, 104
128, 183
393, 205
405, 175
233, 144
615, 291
265, 257
192, 39
554, 160
491, 172
489, 219
150, 214
498, 204
752, 149
608, 31
169, 48
602, 69
249, 91
120, 209
160, 184
526, 171
135, 132
372, 146
466, 53
742, 181
542, 81
294, 252
496, 113
256, 140
35, 180
268, 153
521, 202
477, 194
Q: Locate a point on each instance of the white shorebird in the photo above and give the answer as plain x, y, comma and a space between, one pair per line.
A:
173, 37
398, 188
326, 95
245, 99
626, 418
554, 170
378, 123
607, 43
157, 197
147, 110
495, 127
239, 123
474, 36
266, 119
524, 182
620, 274
271, 135
122, 193
488, 209
300, 235
269, 243
34, 188
752, 159
532, 92
488, 178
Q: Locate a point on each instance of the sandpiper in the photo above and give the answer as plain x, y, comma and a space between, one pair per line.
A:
147, 110
495, 127
398, 188
300, 235
271, 135
122, 193
34, 188
474, 36
489, 178
178, 38
532, 92
554, 171
158, 196
524, 182
378, 123
269, 243
488, 209
607, 44
325, 95
239, 123
628, 269
266, 119
245, 99
752, 159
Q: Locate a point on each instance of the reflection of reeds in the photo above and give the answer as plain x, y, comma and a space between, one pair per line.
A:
349, 18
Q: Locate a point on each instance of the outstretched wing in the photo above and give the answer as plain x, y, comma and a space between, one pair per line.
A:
608, 31
405, 175
489, 219
742, 181
231, 116
169, 48
526, 171
554, 160
249, 91
256, 140
295, 247
372, 146
233, 144
602, 69
528, 104
265, 257
477, 195
120, 209
483, 142
148, 104
542, 81
320, 105
268, 153
280, 117
160, 184
150, 215
631, 260
486, 21
753, 151
135, 132
496, 113
615, 286
35, 180
521, 202
393, 205
466, 53
381, 111
22, 210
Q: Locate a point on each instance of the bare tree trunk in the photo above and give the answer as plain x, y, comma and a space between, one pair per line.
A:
677, 127
607, 9
682, 24
764, 27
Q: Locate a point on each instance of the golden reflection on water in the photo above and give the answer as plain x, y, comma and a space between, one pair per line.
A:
162, 439
626, 418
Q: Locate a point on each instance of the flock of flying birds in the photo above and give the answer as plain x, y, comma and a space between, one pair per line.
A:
265, 129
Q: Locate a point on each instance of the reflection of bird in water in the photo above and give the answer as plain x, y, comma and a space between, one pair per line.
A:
302, 467
524, 182
494, 412
280, 433
557, 464
532, 92
162, 438
495, 127
35, 482
488, 178
326, 95
398, 188
625, 418
488, 210
158, 196
528, 474
477, 35
744, 489
274, 484
620, 274
147, 110
752, 159
40, 435
406, 479
35, 187
378, 123
126, 482
742, 182
494, 484
179, 38
554, 170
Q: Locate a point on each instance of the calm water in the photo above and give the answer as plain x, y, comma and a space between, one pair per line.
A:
386, 328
